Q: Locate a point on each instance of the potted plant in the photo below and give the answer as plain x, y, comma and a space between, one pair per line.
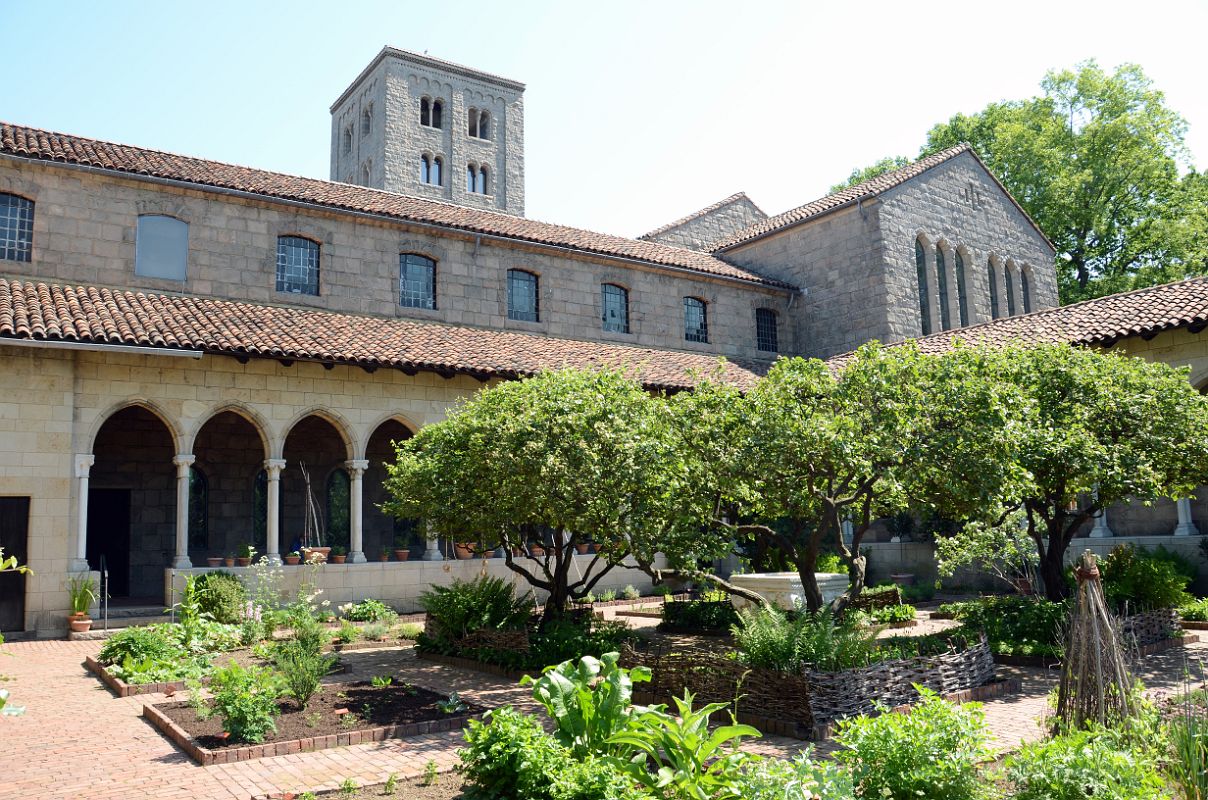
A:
214, 561
384, 555
293, 558
402, 549
536, 549
245, 555
83, 592
582, 548
464, 550
338, 554
229, 560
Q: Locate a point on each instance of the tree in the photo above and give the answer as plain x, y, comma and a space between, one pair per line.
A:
1096, 429
806, 448
562, 458
887, 164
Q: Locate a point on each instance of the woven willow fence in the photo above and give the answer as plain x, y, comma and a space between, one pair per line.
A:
1150, 626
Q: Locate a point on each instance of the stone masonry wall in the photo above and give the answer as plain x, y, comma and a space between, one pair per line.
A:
85, 225
699, 233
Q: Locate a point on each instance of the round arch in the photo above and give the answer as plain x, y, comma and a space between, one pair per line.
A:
250, 415
336, 420
390, 416
155, 409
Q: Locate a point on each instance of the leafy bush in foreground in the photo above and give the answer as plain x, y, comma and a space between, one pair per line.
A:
1083, 764
222, 596
1195, 611
246, 699
467, 606
769, 639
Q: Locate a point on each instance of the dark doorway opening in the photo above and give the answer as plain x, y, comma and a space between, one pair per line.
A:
14, 538
109, 536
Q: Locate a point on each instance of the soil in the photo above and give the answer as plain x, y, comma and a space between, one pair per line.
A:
448, 786
367, 705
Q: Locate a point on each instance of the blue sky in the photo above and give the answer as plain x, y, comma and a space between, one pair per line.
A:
636, 112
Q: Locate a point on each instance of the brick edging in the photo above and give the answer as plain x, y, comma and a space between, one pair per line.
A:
122, 689
1048, 662
476, 666
229, 755
1193, 625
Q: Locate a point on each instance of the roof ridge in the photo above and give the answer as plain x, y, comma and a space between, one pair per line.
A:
829, 202
700, 213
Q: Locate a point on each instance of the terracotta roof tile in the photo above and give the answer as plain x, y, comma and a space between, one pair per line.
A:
1102, 321
34, 143
99, 315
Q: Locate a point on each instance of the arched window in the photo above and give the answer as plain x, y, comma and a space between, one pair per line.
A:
367, 172
416, 281
523, 299
297, 265
1026, 289
161, 247
482, 184
941, 284
338, 529
16, 228
920, 265
437, 163
348, 140
472, 120
425, 169
367, 120
471, 176
696, 320
199, 509
962, 302
425, 111
766, 338
992, 282
484, 125
615, 302
437, 111
1010, 287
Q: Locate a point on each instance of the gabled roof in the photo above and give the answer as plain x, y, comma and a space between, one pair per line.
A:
36, 144
720, 204
1100, 322
861, 191
97, 315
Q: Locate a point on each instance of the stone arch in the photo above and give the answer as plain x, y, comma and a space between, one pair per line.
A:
337, 421
229, 446
173, 427
381, 531
253, 417
389, 416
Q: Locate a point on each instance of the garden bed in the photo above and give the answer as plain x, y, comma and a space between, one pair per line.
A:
1193, 625
380, 712
447, 785
1050, 662
475, 665
121, 688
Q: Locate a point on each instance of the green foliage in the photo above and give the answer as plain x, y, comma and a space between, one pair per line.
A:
608, 595
630, 592
566, 640
157, 653
463, 607
82, 590
410, 630
508, 756
589, 701
1022, 626
1002, 549
301, 669
697, 762
801, 778
767, 638
9, 564
246, 700
932, 752
903, 612
368, 610
1188, 734
1135, 579
919, 592
858, 176
1082, 764
222, 596
153, 642
346, 633
710, 613
1195, 610
831, 562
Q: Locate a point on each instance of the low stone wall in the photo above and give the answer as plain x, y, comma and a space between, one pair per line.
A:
399, 583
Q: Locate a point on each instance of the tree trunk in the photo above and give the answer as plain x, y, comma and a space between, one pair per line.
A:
1052, 566
807, 562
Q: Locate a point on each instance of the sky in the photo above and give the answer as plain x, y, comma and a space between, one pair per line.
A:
636, 113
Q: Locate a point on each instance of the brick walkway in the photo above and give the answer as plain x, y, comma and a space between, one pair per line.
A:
76, 740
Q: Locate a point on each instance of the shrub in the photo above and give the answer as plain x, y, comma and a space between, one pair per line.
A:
301, 670
608, 595
1135, 579
410, 630
770, 639
799, 779
509, 757
346, 633
830, 562
589, 701
1083, 764
594, 778
246, 700
151, 643
1028, 626
887, 614
222, 596
712, 612
368, 611
1195, 611
931, 752
1188, 732
466, 606
630, 592
919, 592
567, 639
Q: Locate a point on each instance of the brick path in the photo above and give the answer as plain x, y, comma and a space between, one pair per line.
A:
76, 740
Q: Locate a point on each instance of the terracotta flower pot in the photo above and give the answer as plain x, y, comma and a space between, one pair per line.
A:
230, 562
402, 555
463, 550
293, 560
214, 562
338, 559
384, 556
537, 550
242, 562
308, 553
79, 622
582, 548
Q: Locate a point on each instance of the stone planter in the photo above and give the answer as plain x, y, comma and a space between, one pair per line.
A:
784, 589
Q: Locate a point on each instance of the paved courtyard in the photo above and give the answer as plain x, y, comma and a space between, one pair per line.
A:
76, 740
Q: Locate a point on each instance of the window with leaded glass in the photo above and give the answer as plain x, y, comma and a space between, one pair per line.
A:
696, 320
338, 529
425, 111
615, 300
523, 302
297, 265
941, 284
416, 281
992, 280
958, 263
1009, 274
766, 337
16, 228
920, 265
161, 247
1026, 289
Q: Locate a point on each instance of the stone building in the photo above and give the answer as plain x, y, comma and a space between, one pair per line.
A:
190, 349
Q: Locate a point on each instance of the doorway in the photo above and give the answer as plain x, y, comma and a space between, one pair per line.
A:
109, 537
14, 538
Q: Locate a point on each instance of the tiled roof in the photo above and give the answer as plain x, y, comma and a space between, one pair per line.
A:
98, 315
1102, 321
38, 144
843, 197
734, 198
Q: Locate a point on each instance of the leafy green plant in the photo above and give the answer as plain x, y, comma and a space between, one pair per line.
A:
245, 550
222, 596
246, 700
567, 639
831, 562
152, 642
430, 773
392, 782
82, 590
346, 633
902, 612
410, 630
374, 632
767, 638
608, 595
453, 704
589, 701
509, 756
1082, 764
368, 611
466, 606
710, 613
1195, 610
696, 762
1187, 730
931, 752
349, 786
1015, 625
301, 669
1135, 579
802, 778
630, 592
381, 681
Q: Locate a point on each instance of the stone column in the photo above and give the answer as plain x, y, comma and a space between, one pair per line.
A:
83, 465
849, 530
432, 550
1100, 530
184, 468
272, 527
356, 472
1186, 526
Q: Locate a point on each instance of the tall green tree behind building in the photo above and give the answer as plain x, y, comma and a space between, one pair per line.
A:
1097, 161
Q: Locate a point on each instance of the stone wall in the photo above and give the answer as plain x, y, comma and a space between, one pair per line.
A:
84, 232
702, 231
